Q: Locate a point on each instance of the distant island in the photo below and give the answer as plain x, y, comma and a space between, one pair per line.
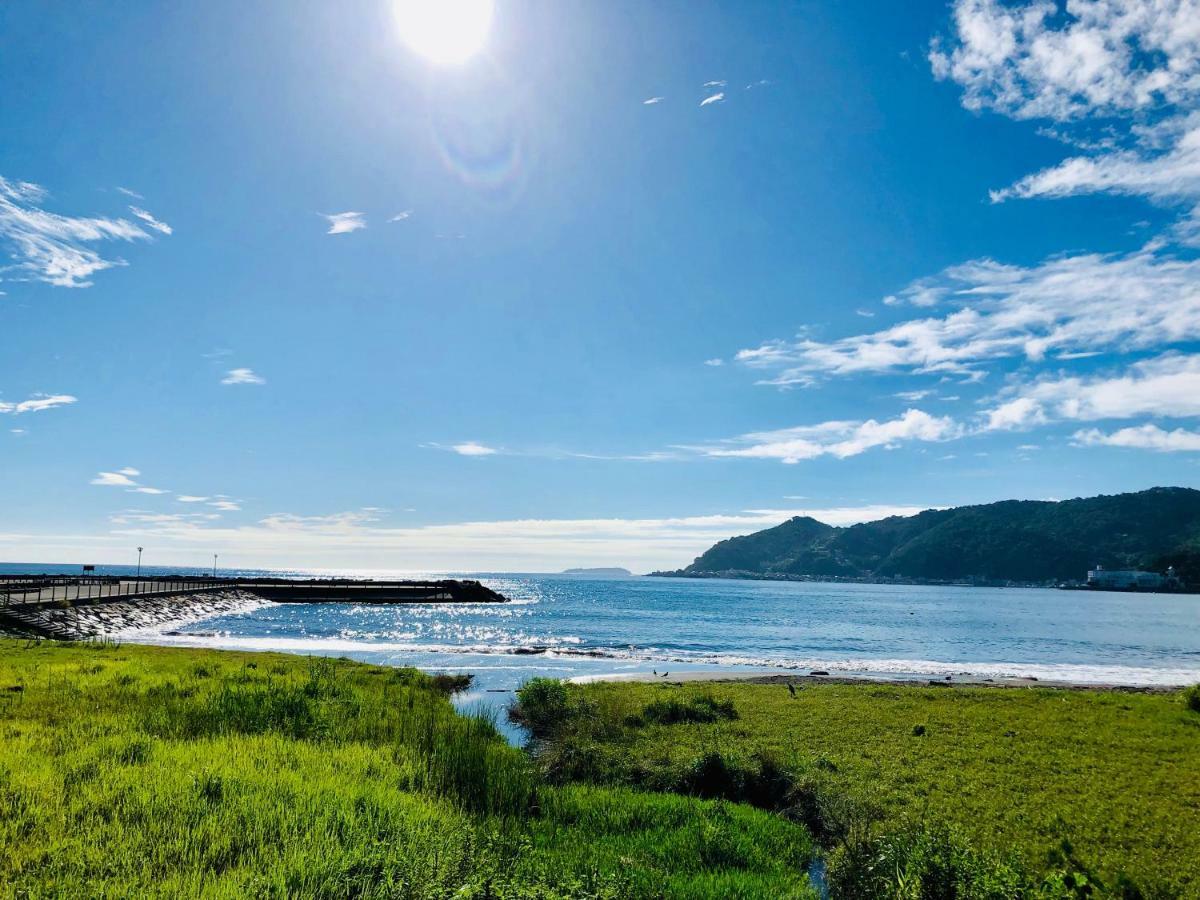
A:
1010, 542
601, 572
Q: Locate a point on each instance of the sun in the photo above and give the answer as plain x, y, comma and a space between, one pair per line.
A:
444, 31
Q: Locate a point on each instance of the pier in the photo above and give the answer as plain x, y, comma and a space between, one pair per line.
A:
73, 607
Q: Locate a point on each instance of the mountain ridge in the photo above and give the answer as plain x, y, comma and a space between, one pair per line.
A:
1027, 541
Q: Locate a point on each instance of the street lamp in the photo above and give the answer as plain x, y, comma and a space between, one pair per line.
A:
214, 565
139, 571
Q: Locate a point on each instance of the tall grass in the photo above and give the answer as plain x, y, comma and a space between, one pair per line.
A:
129, 771
1034, 793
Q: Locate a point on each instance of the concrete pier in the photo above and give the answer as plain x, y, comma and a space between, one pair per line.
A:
71, 608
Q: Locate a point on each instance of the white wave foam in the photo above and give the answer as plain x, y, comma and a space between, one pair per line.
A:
622, 658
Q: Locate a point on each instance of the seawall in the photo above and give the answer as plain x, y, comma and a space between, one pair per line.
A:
122, 618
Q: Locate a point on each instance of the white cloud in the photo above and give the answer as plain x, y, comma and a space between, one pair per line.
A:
718, 97
160, 227
1174, 175
191, 498
344, 222
1166, 386
1102, 57
1083, 303
840, 439
130, 193
37, 403
472, 448
129, 470
1131, 67
865, 313
52, 248
225, 505
651, 101
357, 539
242, 376
400, 216
913, 396
716, 361
715, 84
149, 490
1144, 437
114, 479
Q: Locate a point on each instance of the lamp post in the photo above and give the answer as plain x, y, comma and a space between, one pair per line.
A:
138, 583
214, 565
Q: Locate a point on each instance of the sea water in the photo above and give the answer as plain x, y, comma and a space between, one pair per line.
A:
575, 626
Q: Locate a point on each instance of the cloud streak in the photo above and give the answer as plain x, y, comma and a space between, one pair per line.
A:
357, 538
1070, 304
1144, 437
344, 222
242, 376
840, 439
37, 403
52, 248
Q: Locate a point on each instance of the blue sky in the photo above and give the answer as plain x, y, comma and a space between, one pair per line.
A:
275, 285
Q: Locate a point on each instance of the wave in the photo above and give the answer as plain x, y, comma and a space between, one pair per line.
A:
850, 666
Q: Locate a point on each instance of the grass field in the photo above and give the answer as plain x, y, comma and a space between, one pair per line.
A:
916, 791
134, 771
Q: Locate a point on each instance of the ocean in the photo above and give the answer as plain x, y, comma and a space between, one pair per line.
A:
572, 626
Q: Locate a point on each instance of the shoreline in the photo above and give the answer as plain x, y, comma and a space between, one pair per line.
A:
720, 675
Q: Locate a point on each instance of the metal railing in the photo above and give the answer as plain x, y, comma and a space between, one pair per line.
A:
16, 592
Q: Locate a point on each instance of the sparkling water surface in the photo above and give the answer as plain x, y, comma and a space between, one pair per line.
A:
576, 626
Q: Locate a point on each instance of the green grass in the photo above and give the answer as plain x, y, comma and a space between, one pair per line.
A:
134, 771
917, 791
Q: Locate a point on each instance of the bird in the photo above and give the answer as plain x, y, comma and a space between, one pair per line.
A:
665, 674
656, 671
792, 689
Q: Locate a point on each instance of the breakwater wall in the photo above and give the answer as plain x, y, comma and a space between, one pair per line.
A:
126, 617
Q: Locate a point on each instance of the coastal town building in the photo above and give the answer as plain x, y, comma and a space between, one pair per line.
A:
1131, 580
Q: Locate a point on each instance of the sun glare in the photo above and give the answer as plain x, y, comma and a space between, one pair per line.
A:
444, 31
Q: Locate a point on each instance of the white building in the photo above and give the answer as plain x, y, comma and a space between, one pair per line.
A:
1130, 579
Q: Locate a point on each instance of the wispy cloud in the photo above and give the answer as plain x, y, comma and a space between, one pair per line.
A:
357, 538
1144, 437
160, 227
242, 376
130, 193
116, 479
840, 439
473, 448
52, 248
715, 84
715, 361
401, 216
1084, 303
718, 97
1030, 61
37, 403
651, 101
344, 222
1164, 386
191, 498
1131, 69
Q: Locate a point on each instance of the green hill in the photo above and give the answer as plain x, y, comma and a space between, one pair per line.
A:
1013, 540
